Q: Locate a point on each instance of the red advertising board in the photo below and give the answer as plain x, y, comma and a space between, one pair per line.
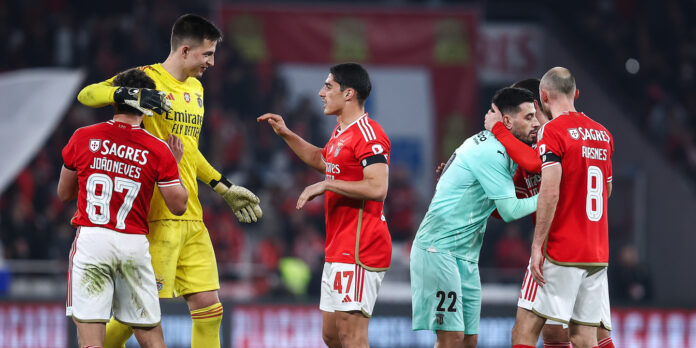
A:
33, 325
444, 41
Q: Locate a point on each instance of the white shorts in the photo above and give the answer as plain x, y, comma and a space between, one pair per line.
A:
580, 295
111, 270
349, 287
528, 294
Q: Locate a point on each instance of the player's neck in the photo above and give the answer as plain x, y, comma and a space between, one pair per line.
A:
174, 68
350, 114
562, 107
128, 119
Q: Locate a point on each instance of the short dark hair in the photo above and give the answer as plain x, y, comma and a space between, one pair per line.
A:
508, 99
195, 28
132, 78
353, 75
531, 85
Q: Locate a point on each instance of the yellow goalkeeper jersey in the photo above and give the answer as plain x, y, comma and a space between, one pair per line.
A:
184, 120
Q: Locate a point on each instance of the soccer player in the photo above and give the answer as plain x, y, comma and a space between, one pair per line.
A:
182, 253
570, 247
358, 245
527, 179
445, 282
111, 168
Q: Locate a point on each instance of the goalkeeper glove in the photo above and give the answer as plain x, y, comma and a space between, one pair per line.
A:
244, 203
144, 99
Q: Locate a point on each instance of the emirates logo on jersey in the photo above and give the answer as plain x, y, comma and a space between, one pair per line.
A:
94, 144
574, 133
187, 97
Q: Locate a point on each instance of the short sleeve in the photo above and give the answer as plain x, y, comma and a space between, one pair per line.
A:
168, 170
610, 171
491, 167
68, 153
372, 141
550, 146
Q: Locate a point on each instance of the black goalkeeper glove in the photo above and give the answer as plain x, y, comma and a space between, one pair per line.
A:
144, 99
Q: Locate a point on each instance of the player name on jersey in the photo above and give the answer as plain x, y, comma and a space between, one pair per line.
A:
595, 153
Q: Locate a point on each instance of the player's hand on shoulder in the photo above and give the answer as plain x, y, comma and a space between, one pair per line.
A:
438, 170
492, 117
176, 146
276, 121
143, 99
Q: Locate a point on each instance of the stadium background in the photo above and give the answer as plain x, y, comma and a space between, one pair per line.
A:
435, 65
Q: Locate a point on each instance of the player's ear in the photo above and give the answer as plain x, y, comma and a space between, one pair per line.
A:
348, 93
507, 121
544, 94
577, 94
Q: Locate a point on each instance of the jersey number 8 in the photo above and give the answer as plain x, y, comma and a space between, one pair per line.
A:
594, 204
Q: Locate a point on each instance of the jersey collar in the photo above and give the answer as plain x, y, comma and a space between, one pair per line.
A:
340, 131
115, 123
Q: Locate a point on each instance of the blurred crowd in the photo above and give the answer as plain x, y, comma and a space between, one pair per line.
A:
257, 259
650, 47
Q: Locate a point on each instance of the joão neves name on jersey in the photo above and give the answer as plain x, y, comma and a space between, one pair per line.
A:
110, 148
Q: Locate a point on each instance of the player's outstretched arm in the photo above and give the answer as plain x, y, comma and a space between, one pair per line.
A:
243, 202
372, 187
308, 153
511, 209
546, 209
144, 99
67, 184
97, 95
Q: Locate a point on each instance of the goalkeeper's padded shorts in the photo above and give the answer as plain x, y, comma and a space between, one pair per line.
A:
182, 257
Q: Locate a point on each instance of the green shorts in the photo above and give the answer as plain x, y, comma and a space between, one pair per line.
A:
445, 292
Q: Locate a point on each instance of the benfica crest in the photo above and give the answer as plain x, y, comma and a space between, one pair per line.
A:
574, 133
94, 144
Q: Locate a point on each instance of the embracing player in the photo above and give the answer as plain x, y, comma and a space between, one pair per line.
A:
445, 282
527, 180
111, 168
570, 247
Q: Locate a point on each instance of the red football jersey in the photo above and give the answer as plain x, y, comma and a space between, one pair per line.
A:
579, 231
117, 166
356, 230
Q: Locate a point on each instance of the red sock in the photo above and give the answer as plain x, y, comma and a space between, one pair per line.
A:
557, 345
606, 343
522, 346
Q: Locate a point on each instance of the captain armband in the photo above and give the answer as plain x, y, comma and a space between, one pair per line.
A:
549, 157
381, 158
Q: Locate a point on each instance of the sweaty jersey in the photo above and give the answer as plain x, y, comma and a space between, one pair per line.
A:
356, 230
117, 167
479, 172
184, 120
583, 148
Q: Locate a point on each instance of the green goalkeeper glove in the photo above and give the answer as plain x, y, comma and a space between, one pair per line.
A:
143, 99
244, 203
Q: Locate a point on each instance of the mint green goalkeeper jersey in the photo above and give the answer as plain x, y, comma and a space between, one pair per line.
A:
479, 172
